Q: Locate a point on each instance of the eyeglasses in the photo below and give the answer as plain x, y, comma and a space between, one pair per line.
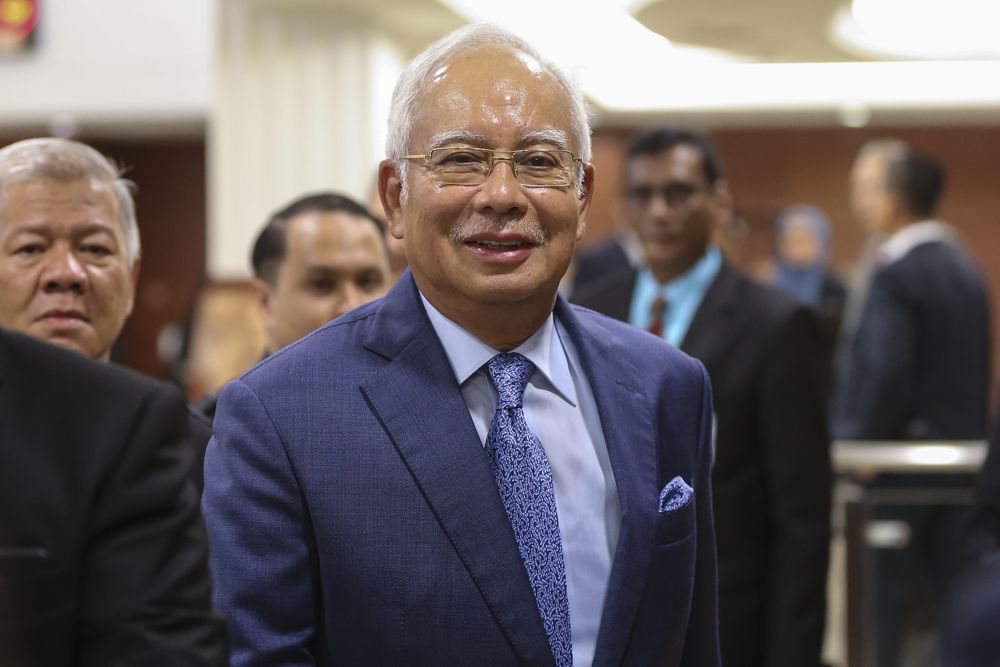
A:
532, 167
676, 195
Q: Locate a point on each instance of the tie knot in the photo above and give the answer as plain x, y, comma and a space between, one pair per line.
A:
509, 373
658, 307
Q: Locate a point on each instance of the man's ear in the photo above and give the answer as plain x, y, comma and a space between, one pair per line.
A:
260, 292
586, 198
390, 192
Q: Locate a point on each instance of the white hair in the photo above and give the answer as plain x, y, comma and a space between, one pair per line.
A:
68, 160
419, 72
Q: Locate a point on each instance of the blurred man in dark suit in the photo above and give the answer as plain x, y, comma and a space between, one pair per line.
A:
919, 363
70, 251
764, 355
103, 558
918, 368
866, 195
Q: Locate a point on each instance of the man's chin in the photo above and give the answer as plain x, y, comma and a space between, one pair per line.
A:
74, 344
509, 288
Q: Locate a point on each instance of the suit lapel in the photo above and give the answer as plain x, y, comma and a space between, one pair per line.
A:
418, 402
708, 333
630, 436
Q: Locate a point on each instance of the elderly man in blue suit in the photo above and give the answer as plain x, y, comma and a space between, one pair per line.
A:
471, 471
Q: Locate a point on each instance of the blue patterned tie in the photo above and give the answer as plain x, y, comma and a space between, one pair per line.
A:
524, 478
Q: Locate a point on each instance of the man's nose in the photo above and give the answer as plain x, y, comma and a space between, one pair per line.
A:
63, 272
501, 192
659, 208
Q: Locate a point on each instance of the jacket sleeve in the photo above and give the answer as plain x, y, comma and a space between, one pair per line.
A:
262, 553
146, 589
877, 386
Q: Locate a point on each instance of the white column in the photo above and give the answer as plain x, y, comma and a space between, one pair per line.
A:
302, 98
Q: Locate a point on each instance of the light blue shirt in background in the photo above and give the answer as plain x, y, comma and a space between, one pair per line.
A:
560, 409
683, 295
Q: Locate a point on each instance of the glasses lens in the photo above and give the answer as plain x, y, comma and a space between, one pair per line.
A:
543, 167
460, 165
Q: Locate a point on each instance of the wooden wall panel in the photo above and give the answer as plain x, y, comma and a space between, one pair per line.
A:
170, 206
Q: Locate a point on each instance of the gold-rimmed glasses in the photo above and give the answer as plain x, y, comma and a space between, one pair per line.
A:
532, 167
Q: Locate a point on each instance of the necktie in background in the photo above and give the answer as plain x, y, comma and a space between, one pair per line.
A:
656, 311
524, 478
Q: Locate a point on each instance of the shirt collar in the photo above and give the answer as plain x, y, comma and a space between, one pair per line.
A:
697, 278
467, 354
912, 235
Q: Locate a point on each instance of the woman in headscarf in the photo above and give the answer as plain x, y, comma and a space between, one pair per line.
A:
802, 260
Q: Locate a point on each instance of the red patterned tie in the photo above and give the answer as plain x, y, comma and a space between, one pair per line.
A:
656, 311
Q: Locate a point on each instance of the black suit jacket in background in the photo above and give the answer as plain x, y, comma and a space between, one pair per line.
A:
102, 552
200, 432
919, 365
772, 477
595, 264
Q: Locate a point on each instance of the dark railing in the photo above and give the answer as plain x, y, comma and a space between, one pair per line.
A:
925, 456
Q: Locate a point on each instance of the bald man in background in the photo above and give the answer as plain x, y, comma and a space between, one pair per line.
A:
316, 258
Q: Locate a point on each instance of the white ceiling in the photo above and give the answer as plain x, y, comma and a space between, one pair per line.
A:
762, 30
794, 69
793, 72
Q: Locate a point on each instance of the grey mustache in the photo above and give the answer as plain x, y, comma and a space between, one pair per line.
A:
462, 231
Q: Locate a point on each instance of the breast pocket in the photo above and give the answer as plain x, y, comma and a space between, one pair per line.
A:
676, 525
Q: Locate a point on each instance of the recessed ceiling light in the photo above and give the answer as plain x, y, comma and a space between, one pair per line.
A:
931, 30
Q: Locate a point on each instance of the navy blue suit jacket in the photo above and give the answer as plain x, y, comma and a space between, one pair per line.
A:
354, 519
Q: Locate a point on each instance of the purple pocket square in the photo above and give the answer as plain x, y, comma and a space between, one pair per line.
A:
675, 495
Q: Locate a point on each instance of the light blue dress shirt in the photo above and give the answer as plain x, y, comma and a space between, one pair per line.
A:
683, 295
560, 409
